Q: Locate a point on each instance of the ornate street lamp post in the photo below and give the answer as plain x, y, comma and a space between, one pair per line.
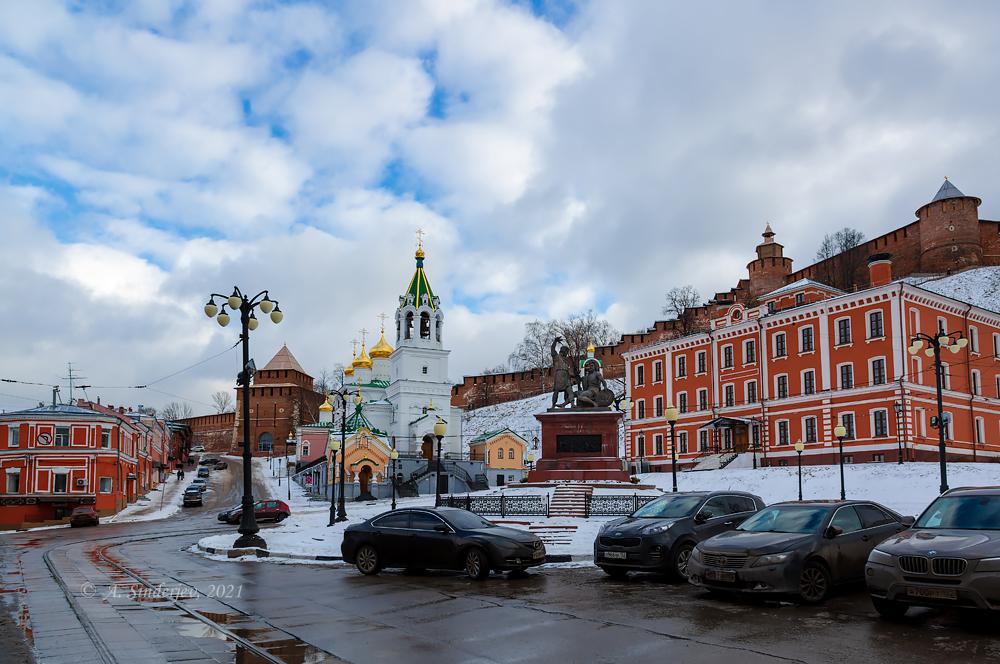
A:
670, 412
798, 449
248, 322
935, 344
440, 429
394, 455
332, 446
840, 431
341, 506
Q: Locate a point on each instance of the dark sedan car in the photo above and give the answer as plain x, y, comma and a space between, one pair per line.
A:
192, 497
802, 548
440, 538
84, 516
660, 535
951, 557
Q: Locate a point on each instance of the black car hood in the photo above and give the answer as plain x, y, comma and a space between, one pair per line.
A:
633, 527
754, 544
515, 534
943, 542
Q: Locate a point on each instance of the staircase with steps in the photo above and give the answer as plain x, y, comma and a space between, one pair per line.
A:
551, 535
570, 500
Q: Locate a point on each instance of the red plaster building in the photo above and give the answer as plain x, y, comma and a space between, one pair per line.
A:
795, 357
54, 458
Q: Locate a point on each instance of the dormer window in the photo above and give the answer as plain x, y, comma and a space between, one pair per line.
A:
800, 299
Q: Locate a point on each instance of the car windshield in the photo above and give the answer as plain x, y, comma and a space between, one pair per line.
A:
786, 519
669, 507
467, 520
962, 513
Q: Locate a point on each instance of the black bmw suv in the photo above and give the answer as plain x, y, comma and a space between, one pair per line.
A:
659, 536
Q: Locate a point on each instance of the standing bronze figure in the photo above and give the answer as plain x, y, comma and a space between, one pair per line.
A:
564, 375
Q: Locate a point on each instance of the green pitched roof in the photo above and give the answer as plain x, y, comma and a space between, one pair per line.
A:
487, 435
419, 285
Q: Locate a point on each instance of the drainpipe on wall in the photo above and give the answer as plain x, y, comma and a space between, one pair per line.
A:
968, 375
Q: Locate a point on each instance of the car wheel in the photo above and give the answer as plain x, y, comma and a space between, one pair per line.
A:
889, 609
476, 564
367, 560
280, 518
680, 562
814, 583
615, 572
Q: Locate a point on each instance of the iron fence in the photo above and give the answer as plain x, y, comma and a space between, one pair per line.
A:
500, 505
615, 504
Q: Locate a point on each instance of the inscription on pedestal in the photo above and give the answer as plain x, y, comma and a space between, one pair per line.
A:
578, 444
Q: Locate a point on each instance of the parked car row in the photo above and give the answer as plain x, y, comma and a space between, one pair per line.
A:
728, 541
264, 510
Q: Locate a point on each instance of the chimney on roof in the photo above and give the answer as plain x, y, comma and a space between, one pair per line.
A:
880, 269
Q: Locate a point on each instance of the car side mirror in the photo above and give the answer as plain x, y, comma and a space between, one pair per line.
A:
701, 517
441, 528
833, 531
908, 521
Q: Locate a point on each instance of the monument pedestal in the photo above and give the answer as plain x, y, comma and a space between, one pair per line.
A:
580, 444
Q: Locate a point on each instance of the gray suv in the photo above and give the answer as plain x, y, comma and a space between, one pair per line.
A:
950, 557
660, 535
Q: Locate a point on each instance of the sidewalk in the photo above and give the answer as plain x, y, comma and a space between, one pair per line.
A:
163, 502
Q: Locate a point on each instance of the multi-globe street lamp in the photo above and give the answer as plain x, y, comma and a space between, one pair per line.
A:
440, 429
798, 450
289, 442
898, 408
840, 431
954, 342
237, 301
394, 454
341, 506
671, 414
332, 447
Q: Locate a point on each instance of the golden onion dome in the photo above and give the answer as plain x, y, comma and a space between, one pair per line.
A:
382, 349
362, 361
420, 253
590, 348
349, 369
326, 406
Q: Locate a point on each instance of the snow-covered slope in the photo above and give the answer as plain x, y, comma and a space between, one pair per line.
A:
517, 415
979, 286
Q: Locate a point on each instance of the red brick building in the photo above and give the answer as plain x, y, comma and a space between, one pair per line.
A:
54, 458
281, 398
798, 356
946, 236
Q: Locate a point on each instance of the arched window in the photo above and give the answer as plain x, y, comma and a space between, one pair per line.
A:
499, 452
511, 453
440, 324
409, 325
425, 325
264, 442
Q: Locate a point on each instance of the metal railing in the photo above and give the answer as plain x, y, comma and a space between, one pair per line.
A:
614, 504
538, 505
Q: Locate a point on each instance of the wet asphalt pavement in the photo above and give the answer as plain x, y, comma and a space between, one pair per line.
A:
126, 593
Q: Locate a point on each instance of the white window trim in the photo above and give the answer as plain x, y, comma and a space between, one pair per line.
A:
979, 430
837, 343
681, 359
802, 342
871, 422
746, 356
731, 387
732, 356
746, 392
774, 345
868, 320
777, 433
658, 363
802, 380
100, 480
973, 339
13, 435
976, 382
708, 405
871, 371
777, 391
644, 413
854, 420
700, 354
854, 378
805, 429
687, 404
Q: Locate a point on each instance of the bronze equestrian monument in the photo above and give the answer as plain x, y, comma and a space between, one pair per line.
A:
580, 430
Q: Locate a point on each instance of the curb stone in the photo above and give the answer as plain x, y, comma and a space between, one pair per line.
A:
264, 553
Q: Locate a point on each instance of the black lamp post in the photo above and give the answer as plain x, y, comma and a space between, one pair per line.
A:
248, 322
840, 431
341, 506
798, 449
289, 442
898, 407
670, 412
934, 346
394, 455
332, 446
440, 429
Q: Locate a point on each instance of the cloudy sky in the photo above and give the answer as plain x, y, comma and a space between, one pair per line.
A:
560, 156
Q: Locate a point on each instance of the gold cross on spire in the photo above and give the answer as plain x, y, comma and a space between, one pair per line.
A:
420, 237
354, 347
364, 336
381, 319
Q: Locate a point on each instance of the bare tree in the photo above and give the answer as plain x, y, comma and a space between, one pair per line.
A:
679, 301
176, 411
498, 369
841, 257
223, 401
532, 352
580, 330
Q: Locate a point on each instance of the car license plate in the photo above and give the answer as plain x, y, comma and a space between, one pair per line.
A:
619, 555
932, 593
720, 575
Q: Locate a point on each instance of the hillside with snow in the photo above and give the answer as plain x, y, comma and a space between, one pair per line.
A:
979, 286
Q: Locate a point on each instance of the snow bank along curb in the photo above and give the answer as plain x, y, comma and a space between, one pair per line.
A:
264, 553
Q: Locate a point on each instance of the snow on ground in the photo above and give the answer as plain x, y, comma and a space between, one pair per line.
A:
908, 489
517, 415
979, 286
164, 502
